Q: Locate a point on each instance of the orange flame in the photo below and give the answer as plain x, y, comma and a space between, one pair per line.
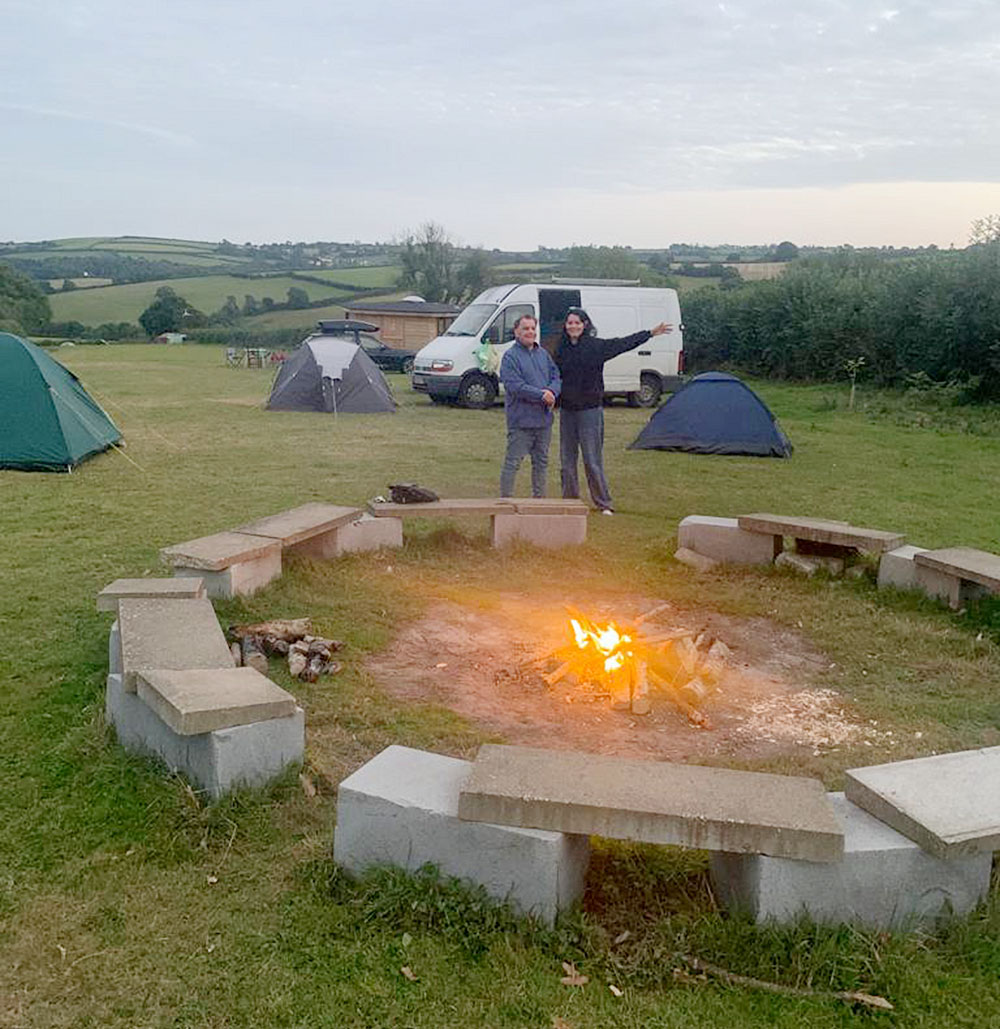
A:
607, 641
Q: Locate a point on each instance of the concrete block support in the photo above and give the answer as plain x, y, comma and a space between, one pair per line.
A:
240, 579
365, 533
723, 540
541, 530
217, 762
896, 568
115, 649
939, 585
955, 591
401, 809
884, 881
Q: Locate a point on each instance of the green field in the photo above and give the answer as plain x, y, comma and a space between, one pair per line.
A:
363, 278
207, 293
308, 318
89, 282
126, 900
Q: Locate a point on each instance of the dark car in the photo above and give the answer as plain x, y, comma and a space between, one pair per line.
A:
390, 359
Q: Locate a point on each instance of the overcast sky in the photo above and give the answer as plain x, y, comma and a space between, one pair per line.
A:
513, 124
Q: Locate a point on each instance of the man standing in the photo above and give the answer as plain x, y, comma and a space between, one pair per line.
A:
531, 384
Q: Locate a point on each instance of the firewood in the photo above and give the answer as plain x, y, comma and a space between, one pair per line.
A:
237, 651
287, 629
640, 690
692, 714
650, 614
553, 677
314, 668
298, 658
253, 656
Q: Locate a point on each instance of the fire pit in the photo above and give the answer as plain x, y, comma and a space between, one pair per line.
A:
714, 685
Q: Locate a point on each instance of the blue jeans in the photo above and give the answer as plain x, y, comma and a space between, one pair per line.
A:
583, 432
521, 443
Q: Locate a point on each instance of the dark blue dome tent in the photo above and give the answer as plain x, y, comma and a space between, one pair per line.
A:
715, 413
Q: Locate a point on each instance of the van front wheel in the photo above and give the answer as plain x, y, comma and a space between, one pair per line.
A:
649, 392
477, 392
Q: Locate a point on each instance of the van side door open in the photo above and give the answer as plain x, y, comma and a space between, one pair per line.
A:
553, 305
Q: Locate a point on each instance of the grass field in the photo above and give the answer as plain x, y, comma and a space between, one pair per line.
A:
85, 283
127, 901
207, 293
363, 278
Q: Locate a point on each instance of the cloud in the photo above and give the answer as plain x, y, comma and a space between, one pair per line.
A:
394, 99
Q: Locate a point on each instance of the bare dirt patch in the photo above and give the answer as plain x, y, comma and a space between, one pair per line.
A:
473, 661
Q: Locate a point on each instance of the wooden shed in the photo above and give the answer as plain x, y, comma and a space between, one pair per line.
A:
405, 323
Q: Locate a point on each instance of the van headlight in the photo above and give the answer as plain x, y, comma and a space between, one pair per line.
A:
442, 366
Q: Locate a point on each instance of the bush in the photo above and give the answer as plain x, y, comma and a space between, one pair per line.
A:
937, 315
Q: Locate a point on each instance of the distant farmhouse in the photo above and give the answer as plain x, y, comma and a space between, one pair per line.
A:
405, 323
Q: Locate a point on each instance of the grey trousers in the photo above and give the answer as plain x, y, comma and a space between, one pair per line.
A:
520, 444
583, 432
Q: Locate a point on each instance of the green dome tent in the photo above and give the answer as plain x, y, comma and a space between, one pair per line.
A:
48, 421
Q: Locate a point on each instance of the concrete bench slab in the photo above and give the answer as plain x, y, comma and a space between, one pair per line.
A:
547, 506
957, 575
824, 531
230, 563
539, 529
201, 700
653, 802
439, 508
401, 810
167, 589
885, 881
301, 523
216, 762
169, 634
898, 569
721, 539
949, 803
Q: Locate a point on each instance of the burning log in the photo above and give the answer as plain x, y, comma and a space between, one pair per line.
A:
553, 677
626, 664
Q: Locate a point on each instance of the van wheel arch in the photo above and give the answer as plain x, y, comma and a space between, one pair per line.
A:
649, 392
478, 391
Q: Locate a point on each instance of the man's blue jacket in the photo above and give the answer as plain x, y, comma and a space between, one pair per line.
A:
525, 375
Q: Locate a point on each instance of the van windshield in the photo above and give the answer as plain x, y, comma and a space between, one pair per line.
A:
471, 320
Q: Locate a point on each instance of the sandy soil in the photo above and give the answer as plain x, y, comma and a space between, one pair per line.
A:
473, 662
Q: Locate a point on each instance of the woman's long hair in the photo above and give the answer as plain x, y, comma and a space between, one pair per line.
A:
588, 326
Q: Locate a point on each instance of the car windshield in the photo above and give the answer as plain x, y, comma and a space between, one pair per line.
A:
471, 320
367, 343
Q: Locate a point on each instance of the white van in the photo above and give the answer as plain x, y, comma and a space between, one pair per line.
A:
462, 364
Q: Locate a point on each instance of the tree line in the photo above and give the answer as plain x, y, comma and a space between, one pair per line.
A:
934, 318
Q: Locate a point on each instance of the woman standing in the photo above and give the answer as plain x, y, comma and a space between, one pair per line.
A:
580, 357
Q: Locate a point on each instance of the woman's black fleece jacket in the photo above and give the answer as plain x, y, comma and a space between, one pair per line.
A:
581, 366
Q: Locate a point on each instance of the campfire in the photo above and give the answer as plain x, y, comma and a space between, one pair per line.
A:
631, 666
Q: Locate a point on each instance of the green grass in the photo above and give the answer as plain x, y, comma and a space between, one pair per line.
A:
305, 319
107, 914
363, 278
207, 293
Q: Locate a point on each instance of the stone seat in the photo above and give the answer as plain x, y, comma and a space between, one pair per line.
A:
168, 634
540, 521
957, 574
652, 802
230, 563
166, 589
820, 535
308, 530
193, 701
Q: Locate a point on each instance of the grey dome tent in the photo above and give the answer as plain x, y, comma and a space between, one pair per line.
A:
715, 413
330, 373
48, 421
